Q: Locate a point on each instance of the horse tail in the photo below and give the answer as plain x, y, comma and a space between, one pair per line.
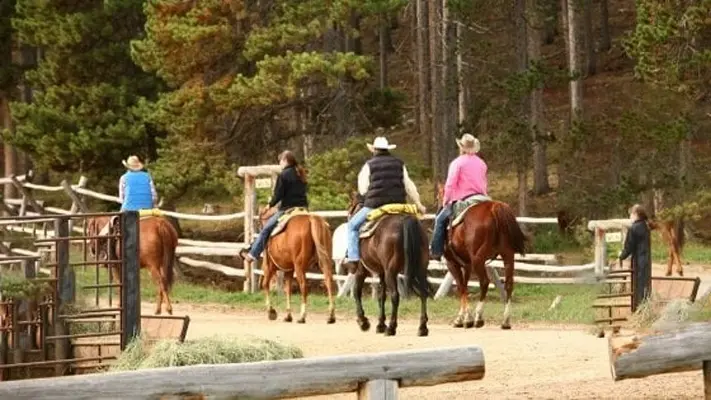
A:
415, 275
322, 239
506, 223
680, 235
169, 241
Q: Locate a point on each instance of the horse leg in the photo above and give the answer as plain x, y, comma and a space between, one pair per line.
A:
677, 257
508, 288
479, 268
155, 274
670, 261
266, 285
463, 289
328, 281
301, 279
394, 300
380, 328
288, 279
358, 295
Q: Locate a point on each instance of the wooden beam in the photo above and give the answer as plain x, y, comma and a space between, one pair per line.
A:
27, 195
258, 170
77, 203
287, 378
676, 351
130, 277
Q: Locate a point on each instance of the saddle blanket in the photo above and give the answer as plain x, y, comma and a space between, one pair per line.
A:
460, 208
374, 217
284, 219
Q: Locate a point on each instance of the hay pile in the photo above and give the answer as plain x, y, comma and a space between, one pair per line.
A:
211, 350
656, 315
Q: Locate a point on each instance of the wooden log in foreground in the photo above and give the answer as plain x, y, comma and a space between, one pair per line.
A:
265, 380
676, 351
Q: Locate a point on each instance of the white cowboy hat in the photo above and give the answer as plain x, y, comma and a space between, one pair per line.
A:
469, 142
133, 163
380, 143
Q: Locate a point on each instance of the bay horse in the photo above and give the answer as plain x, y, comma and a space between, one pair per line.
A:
304, 241
488, 229
158, 240
673, 235
397, 245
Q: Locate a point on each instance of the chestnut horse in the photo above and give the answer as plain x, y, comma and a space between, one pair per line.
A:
673, 236
398, 245
489, 229
158, 240
305, 241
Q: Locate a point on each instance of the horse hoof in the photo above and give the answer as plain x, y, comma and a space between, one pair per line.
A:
469, 324
380, 328
681, 273
479, 324
668, 274
301, 321
390, 332
170, 312
506, 326
364, 325
423, 331
288, 318
458, 324
157, 312
272, 314
331, 320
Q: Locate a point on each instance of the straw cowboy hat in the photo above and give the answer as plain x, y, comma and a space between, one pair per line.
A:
380, 143
468, 143
133, 163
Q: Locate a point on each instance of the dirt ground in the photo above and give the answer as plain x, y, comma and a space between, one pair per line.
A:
528, 362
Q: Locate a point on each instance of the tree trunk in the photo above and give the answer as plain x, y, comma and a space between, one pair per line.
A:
522, 191
591, 56
383, 48
522, 23
536, 124
439, 164
605, 41
550, 18
462, 97
576, 83
423, 77
449, 84
9, 191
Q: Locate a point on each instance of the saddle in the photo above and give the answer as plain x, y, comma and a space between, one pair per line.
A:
374, 217
284, 219
460, 208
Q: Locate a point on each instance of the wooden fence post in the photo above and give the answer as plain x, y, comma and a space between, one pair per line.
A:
248, 229
380, 389
66, 293
77, 203
131, 278
600, 252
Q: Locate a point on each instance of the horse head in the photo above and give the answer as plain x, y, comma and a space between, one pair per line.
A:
355, 203
439, 195
99, 247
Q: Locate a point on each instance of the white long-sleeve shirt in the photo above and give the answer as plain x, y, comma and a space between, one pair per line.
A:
410, 188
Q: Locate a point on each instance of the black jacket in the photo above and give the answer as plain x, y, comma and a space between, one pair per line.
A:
290, 190
638, 245
386, 181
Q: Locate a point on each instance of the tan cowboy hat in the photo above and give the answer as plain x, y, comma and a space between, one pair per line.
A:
380, 143
469, 143
133, 163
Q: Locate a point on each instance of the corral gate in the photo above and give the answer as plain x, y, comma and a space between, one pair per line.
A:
64, 312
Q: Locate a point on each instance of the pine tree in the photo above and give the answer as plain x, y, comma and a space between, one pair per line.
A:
86, 111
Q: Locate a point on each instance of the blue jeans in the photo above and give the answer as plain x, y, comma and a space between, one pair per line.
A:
258, 246
354, 224
440, 229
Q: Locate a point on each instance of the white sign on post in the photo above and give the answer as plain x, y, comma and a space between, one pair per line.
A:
263, 183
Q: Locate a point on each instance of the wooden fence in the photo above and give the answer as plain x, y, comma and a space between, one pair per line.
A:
188, 248
686, 349
373, 376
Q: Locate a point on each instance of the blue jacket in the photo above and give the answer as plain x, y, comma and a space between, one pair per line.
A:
137, 188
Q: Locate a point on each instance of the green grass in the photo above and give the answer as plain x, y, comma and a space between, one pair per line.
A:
531, 302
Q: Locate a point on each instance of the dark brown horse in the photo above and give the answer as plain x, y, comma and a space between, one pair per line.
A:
398, 245
489, 229
158, 240
305, 241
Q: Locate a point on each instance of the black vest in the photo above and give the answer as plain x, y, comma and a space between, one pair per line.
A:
386, 185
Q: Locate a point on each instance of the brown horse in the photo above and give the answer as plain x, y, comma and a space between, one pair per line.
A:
158, 240
398, 245
489, 229
305, 241
673, 236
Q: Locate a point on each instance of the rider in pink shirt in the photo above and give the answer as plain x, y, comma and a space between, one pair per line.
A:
466, 177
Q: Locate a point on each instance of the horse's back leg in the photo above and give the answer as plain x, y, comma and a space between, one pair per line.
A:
478, 265
380, 328
360, 275
303, 287
508, 259
288, 279
391, 283
269, 269
158, 281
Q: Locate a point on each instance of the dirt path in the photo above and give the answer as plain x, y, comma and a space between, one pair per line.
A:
533, 362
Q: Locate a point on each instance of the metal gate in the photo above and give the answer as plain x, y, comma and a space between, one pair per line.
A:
63, 311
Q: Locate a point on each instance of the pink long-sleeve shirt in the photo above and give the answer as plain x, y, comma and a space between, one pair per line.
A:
466, 177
